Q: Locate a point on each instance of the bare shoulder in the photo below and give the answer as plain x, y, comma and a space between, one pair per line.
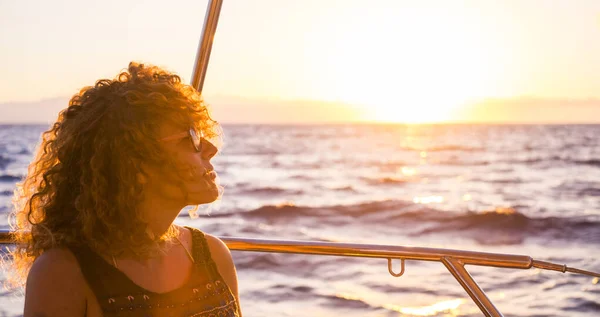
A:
55, 265
222, 257
220, 254
218, 248
55, 286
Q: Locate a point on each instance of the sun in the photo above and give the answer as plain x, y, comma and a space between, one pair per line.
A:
415, 111
402, 70
412, 87
413, 90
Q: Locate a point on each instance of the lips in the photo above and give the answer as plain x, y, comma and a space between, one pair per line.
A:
211, 175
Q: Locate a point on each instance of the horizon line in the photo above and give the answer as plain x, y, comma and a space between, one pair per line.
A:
366, 123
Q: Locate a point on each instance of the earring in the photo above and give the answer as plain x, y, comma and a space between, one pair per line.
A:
150, 233
141, 178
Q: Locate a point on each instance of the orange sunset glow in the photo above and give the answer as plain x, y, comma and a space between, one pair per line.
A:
300, 158
325, 61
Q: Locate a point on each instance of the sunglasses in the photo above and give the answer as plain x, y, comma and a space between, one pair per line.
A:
195, 137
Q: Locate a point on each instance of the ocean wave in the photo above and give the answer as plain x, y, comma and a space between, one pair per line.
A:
345, 189
554, 159
578, 188
4, 161
392, 288
592, 162
283, 211
384, 180
302, 289
258, 261
9, 178
501, 226
302, 177
444, 148
255, 151
271, 191
346, 301
457, 162
356, 210
581, 304
500, 181
593, 192
278, 262
507, 226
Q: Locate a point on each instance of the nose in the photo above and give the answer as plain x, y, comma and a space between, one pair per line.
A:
208, 150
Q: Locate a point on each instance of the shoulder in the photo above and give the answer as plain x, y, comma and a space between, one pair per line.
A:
55, 264
222, 257
55, 285
219, 252
218, 249
216, 244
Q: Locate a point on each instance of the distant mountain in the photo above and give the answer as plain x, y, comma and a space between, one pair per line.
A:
42, 111
225, 109
233, 109
526, 109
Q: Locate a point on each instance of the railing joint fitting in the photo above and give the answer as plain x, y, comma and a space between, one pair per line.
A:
390, 269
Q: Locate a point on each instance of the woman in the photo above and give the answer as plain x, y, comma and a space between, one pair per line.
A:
94, 217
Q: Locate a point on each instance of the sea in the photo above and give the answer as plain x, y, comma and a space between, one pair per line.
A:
517, 189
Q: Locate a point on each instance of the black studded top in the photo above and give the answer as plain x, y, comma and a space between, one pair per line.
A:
204, 295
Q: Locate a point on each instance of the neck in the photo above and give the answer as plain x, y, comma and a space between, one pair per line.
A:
160, 214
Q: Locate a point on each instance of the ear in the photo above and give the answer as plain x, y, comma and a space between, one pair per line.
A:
141, 178
150, 233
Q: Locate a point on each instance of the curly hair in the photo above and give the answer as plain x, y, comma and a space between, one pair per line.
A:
82, 188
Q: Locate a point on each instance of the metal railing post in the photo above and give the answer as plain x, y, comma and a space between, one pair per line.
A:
466, 281
205, 46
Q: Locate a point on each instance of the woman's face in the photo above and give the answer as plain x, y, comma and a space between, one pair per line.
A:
199, 177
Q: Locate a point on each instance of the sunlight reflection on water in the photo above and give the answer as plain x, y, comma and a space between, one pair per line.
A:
428, 199
448, 306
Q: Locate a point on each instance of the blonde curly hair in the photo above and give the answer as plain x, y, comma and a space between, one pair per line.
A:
82, 188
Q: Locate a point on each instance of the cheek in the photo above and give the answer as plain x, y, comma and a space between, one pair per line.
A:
160, 179
190, 162
170, 191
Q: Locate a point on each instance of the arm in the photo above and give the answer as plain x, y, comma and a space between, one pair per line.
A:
55, 286
222, 257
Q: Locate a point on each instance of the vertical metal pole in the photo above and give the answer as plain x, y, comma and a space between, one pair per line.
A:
204, 47
466, 281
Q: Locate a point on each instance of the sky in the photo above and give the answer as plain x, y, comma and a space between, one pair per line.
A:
305, 61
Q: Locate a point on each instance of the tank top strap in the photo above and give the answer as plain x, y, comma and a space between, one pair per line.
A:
101, 277
201, 253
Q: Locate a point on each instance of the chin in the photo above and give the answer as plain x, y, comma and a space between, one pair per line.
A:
205, 198
202, 201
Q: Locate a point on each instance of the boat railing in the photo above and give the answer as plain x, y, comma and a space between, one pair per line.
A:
454, 260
